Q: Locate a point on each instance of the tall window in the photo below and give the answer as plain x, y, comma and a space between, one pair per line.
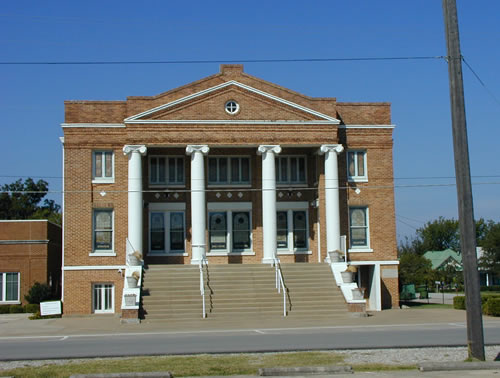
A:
102, 166
229, 170
291, 170
9, 287
356, 166
102, 297
167, 233
292, 226
166, 170
103, 230
358, 224
229, 230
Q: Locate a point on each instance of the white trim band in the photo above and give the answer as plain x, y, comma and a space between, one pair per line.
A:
95, 267
86, 125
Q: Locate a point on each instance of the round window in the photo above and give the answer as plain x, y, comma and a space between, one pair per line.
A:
232, 107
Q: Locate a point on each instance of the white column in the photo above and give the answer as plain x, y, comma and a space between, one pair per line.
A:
198, 205
332, 208
269, 200
135, 205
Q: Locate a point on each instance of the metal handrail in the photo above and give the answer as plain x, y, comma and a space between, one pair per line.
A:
280, 284
202, 287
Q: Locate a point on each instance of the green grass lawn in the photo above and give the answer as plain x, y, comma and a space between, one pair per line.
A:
196, 365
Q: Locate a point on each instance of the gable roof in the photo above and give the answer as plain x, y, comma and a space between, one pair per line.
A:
139, 118
440, 259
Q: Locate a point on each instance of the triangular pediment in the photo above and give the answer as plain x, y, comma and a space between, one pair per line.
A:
207, 106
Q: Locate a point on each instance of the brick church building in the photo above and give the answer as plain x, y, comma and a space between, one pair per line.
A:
229, 169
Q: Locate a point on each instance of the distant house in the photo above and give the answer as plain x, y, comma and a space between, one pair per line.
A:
443, 259
448, 257
486, 278
30, 252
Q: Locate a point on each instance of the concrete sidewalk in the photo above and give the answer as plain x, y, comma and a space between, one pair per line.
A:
20, 325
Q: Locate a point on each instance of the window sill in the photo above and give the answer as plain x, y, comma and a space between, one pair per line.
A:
355, 250
166, 254
102, 254
10, 302
166, 186
103, 181
284, 253
223, 253
215, 186
358, 179
291, 185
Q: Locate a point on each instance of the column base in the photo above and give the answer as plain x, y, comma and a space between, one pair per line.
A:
267, 260
196, 261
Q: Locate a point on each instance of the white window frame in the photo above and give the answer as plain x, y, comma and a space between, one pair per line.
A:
358, 248
3, 288
166, 209
103, 252
103, 179
229, 181
290, 208
229, 208
356, 177
167, 182
102, 289
289, 182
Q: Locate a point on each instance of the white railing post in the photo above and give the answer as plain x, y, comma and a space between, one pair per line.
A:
202, 288
280, 284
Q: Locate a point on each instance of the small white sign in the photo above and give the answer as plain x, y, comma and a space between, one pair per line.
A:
389, 273
50, 308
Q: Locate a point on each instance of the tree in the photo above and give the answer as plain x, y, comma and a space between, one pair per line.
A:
439, 235
415, 269
491, 249
22, 200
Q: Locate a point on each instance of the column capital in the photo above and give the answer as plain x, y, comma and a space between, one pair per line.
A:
130, 148
264, 148
192, 148
338, 148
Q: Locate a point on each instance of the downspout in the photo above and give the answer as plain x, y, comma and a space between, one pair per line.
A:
62, 236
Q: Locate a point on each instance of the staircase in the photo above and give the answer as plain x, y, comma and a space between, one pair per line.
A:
312, 291
239, 292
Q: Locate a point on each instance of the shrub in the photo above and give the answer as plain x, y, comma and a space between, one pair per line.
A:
490, 288
492, 306
5, 309
32, 308
16, 309
459, 302
38, 293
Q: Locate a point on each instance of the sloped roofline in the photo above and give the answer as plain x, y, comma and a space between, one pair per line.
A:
136, 118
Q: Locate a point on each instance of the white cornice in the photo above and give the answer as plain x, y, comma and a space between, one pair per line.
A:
12, 242
95, 267
228, 122
97, 125
367, 126
221, 86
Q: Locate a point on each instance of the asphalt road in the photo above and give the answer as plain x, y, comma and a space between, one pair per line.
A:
256, 340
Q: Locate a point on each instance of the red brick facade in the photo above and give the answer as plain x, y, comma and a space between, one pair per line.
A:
32, 249
268, 115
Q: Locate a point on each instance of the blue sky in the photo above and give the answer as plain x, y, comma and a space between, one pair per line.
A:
31, 96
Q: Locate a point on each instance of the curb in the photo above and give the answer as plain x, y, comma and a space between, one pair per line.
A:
159, 374
452, 366
290, 371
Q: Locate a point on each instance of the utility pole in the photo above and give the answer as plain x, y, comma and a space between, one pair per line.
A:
475, 338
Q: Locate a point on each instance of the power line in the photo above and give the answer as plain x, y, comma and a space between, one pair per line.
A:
283, 189
231, 61
480, 81
371, 177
